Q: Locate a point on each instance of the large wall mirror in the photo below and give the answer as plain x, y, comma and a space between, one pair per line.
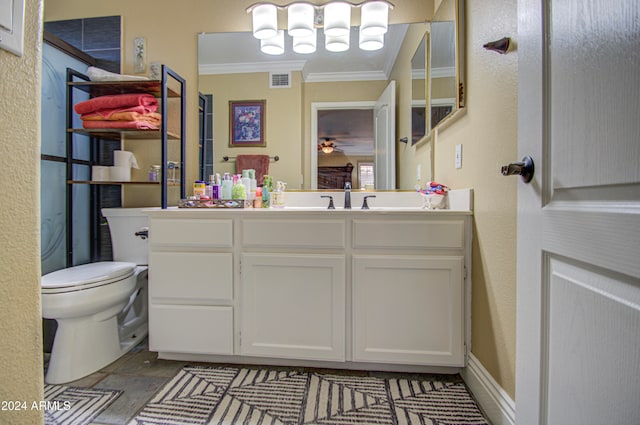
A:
231, 67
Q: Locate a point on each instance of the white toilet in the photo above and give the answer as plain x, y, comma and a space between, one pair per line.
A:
101, 308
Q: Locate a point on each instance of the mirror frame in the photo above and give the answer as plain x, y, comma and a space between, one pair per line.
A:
460, 83
422, 51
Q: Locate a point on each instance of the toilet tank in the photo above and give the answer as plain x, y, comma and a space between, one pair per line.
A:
123, 225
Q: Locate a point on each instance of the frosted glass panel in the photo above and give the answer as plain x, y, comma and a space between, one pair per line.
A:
54, 77
53, 217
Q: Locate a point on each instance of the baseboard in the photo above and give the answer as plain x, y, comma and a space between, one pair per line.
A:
496, 404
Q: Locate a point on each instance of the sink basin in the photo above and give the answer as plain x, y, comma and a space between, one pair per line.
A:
459, 200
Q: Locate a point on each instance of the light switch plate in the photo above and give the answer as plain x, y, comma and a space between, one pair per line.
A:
459, 156
12, 26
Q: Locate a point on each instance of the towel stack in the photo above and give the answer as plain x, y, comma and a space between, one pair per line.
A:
123, 111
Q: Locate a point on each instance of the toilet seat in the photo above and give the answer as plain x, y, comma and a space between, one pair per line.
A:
86, 276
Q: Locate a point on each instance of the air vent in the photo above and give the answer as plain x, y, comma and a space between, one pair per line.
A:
279, 80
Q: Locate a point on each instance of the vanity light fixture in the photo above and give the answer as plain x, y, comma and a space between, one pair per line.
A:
370, 42
273, 45
306, 45
333, 16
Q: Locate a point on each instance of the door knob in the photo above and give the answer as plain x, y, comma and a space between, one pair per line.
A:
523, 169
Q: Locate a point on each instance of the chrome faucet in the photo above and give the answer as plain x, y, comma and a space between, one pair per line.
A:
347, 195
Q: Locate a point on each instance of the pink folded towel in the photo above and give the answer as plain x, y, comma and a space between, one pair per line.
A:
260, 163
141, 102
130, 125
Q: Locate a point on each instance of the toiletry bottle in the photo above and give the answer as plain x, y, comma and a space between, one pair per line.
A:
252, 179
239, 189
227, 186
257, 202
199, 190
266, 195
277, 197
246, 181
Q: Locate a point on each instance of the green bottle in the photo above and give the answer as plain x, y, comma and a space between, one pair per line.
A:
266, 192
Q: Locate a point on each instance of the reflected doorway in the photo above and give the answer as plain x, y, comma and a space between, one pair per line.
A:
345, 140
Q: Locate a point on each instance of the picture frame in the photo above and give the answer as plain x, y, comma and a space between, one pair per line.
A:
247, 123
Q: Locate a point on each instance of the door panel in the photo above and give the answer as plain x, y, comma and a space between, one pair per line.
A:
384, 138
593, 354
578, 345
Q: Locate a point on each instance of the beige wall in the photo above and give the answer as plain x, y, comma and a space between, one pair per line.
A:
20, 318
488, 133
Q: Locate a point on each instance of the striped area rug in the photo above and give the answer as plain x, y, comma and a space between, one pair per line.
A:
75, 406
229, 395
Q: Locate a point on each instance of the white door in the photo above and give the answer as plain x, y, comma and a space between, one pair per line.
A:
384, 138
578, 298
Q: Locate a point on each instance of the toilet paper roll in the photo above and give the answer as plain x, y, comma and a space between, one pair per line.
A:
124, 159
120, 174
100, 173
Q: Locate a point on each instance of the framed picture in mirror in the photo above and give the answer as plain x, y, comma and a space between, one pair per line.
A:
247, 123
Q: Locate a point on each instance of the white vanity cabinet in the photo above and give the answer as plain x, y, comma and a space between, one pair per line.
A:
383, 290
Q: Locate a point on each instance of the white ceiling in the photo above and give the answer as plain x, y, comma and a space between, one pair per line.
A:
224, 53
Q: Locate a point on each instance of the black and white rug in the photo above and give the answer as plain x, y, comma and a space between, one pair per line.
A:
75, 406
230, 395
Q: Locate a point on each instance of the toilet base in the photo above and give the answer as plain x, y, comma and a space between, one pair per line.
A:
82, 349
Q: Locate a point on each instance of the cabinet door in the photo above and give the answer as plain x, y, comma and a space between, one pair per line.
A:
408, 309
293, 306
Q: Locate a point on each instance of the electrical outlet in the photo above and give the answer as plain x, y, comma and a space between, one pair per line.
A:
459, 156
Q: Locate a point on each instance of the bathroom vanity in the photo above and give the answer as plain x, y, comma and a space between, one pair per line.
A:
385, 288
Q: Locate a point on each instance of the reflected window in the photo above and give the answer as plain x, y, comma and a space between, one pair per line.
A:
366, 174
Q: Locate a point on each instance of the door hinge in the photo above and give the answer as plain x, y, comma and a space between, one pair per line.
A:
465, 273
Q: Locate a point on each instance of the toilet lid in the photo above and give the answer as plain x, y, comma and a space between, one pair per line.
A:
87, 275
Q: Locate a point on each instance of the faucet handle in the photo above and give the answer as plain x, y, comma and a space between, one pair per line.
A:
365, 206
331, 206
347, 185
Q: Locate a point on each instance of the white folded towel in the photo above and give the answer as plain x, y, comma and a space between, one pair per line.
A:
98, 74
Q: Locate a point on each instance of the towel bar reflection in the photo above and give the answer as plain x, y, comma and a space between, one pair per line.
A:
271, 158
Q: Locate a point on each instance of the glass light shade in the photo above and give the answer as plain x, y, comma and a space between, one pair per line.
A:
300, 20
374, 18
337, 19
273, 45
306, 45
265, 21
371, 42
327, 149
336, 43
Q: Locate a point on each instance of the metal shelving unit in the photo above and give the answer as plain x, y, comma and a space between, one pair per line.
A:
159, 89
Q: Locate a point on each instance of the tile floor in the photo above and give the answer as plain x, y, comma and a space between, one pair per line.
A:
140, 374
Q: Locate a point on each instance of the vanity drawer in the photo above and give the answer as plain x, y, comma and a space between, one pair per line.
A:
436, 234
191, 232
191, 329
194, 277
294, 233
